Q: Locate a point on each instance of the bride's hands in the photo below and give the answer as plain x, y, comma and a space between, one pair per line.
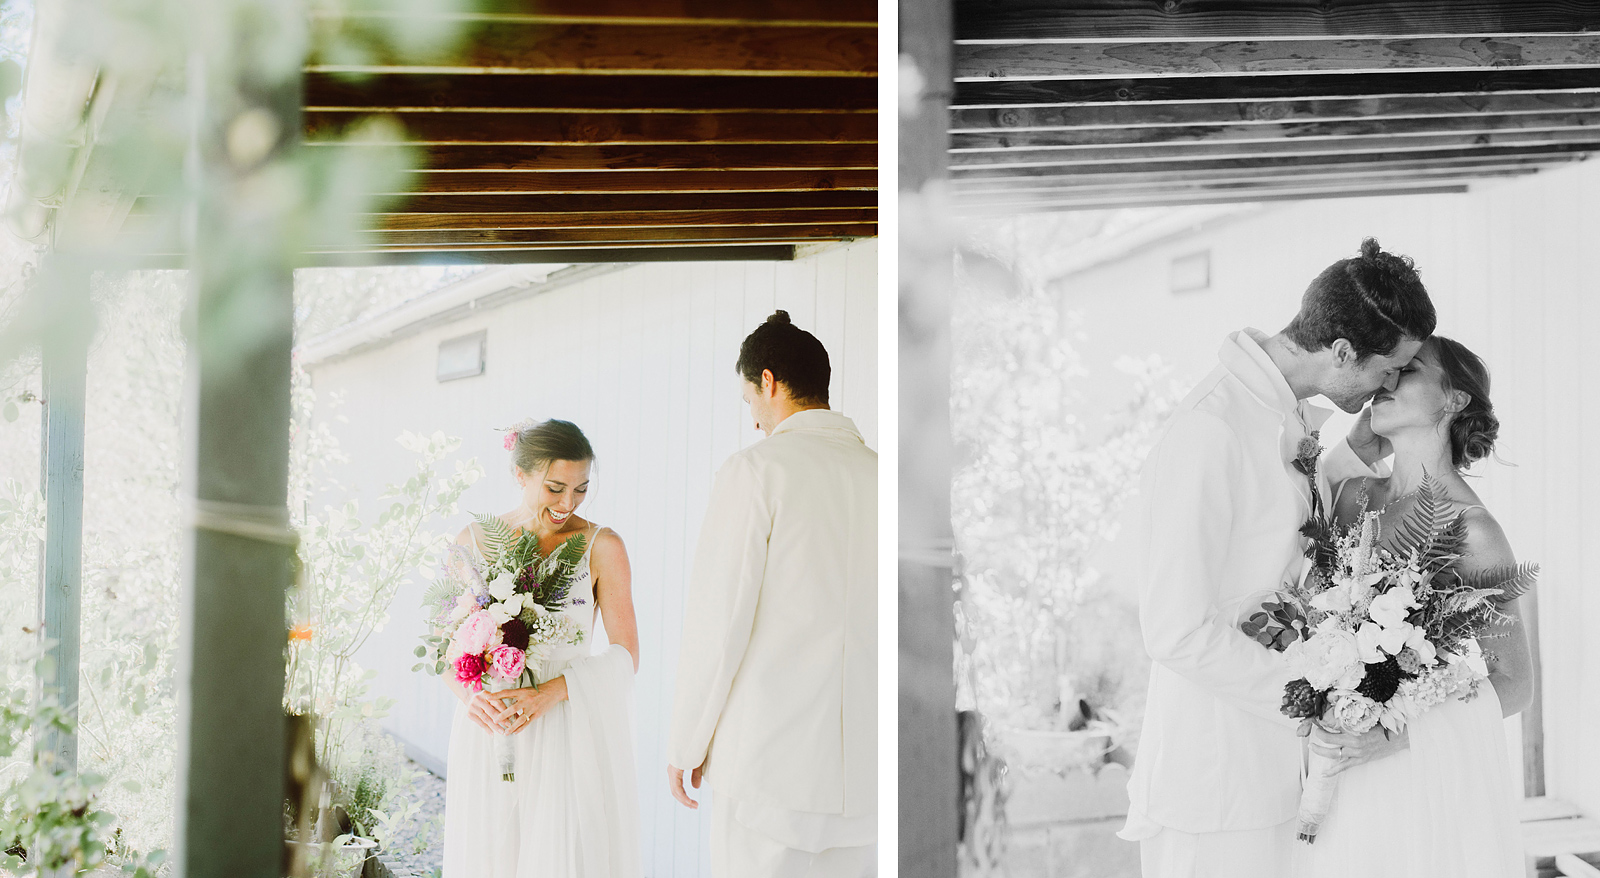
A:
1348, 750
482, 710
513, 709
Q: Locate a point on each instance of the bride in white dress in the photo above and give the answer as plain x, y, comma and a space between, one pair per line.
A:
572, 811
1438, 799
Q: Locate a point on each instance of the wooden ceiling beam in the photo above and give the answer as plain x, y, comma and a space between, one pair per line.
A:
1582, 138
398, 92
742, 252
622, 202
1285, 86
607, 219
1057, 60
1180, 201
510, 182
557, 128
342, 45
1139, 115
1072, 188
618, 234
776, 12
1181, 170
632, 157
1225, 19
1279, 132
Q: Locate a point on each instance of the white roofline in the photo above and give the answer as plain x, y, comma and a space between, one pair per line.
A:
430, 308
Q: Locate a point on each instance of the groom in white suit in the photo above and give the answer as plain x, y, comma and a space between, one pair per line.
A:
776, 703
1215, 786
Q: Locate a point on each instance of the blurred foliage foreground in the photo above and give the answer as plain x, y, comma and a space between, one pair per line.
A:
1049, 652
188, 104
350, 565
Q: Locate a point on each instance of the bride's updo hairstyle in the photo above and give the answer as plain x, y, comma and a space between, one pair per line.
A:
1474, 428
1374, 301
536, 446
795, 357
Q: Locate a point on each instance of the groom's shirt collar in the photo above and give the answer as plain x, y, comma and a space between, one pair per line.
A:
817, 419
1243, 356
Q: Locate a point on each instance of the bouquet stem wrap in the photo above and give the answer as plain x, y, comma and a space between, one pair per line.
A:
1316, 798
505, 750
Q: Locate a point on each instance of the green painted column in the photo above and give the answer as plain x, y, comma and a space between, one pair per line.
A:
237, 563
65, 352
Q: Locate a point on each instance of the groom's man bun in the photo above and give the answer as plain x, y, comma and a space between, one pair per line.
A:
1374, 301
795, 357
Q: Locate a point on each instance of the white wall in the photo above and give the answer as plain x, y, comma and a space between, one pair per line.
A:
641, 359
1514, 269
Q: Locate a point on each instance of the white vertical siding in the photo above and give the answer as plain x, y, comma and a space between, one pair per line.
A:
1514, 269
641, 359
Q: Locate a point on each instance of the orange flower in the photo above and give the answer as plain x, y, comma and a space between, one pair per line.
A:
301, 633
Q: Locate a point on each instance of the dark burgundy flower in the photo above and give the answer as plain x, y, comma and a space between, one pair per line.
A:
1301, 700
514, 633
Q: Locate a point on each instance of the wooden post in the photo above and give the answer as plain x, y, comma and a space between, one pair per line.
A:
65, 355
929, 780
237, 565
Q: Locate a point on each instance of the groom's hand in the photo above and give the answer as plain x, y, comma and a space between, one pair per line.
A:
1367, 445
675, 785
1349, 750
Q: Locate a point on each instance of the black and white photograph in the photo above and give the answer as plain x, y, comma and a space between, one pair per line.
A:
1243, 433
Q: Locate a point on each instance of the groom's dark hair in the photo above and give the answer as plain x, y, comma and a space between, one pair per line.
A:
795, 357
1373, 301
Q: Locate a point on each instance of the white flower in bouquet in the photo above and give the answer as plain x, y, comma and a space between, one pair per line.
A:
1391, 608
1352, 712
1330, 659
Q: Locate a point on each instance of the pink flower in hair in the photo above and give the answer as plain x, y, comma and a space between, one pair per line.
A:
511, 439
469, 672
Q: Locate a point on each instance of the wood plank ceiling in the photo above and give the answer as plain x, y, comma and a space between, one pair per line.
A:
616, 130
1119, 103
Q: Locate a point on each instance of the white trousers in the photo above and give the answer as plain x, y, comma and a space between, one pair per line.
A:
740, 852
1248, 853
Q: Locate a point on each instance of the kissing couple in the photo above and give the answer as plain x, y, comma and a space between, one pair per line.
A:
1235, 740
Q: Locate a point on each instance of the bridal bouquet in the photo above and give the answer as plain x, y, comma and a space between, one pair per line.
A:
1378, 635
496, 617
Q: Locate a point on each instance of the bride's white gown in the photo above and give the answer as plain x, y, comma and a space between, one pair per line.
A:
1444, 808
572, 811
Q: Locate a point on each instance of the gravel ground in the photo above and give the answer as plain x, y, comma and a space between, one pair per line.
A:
418, 850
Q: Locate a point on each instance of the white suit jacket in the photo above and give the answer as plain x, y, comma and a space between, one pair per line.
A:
1215, 529
777, 674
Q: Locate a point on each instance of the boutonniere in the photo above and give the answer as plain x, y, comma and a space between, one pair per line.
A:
1307, 455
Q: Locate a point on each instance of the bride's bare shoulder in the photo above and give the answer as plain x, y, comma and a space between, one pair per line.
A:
1486, 542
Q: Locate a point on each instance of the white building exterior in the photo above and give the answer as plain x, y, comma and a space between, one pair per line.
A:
641, 357
1514, 269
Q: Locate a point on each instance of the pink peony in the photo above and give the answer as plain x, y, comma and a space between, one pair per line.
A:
475, 633
511, 439
469, 672
507, 662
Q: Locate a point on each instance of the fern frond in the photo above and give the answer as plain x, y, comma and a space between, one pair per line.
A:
1511, 581
496, 536
1426, 520
561, 562
1447, 545
441, 590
